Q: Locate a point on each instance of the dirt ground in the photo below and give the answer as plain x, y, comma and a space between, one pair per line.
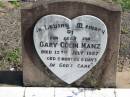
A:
123, 79
123, 67
10, 38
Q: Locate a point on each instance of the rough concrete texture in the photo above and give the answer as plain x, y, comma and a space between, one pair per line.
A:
35, 73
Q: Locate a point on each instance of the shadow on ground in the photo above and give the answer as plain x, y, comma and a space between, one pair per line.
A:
11, 78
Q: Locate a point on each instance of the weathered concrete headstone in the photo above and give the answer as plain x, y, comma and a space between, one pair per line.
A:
70, 43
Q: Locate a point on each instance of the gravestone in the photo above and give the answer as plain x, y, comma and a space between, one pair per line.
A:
70, 43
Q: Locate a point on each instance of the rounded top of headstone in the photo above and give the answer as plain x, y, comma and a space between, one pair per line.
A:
100, 3
107, 5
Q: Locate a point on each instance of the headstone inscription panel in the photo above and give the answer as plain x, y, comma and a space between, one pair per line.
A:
70, 48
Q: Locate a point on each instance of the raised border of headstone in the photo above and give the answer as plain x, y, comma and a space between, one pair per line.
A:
35, 73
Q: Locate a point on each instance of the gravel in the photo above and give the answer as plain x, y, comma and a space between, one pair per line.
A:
10, 36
